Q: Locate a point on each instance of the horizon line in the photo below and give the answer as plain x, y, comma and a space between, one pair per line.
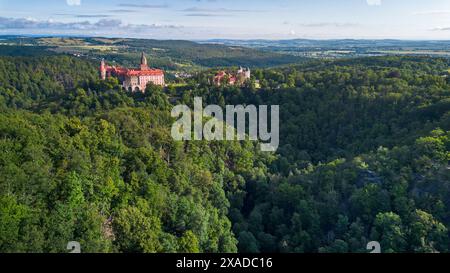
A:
223, 39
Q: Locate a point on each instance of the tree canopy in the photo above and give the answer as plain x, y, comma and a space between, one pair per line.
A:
364, 156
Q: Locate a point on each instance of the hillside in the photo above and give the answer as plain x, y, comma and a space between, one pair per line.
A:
364, 156
170, 55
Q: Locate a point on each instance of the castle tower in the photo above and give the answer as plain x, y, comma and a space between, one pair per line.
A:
248, 73
103, 70
144, 65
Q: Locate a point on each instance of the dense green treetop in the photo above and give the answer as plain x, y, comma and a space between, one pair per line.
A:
364, 154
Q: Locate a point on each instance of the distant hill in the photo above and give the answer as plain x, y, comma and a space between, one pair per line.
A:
343, 48
170, 54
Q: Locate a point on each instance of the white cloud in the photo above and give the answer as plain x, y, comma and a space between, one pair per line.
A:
73, 2
103, 24
103, 27
373, 2
441, 29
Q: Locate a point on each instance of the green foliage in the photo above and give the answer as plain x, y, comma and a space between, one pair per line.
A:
364, 156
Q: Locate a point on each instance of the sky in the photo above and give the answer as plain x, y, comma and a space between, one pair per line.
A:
230, 19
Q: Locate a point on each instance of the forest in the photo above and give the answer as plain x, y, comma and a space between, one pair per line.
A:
364, 156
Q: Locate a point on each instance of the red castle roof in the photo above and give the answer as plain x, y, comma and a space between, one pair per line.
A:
147, 72
135, 72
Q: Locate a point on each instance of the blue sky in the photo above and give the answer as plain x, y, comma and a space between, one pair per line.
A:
238, 19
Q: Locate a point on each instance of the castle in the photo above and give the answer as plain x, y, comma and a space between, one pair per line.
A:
134, 79
239, 78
